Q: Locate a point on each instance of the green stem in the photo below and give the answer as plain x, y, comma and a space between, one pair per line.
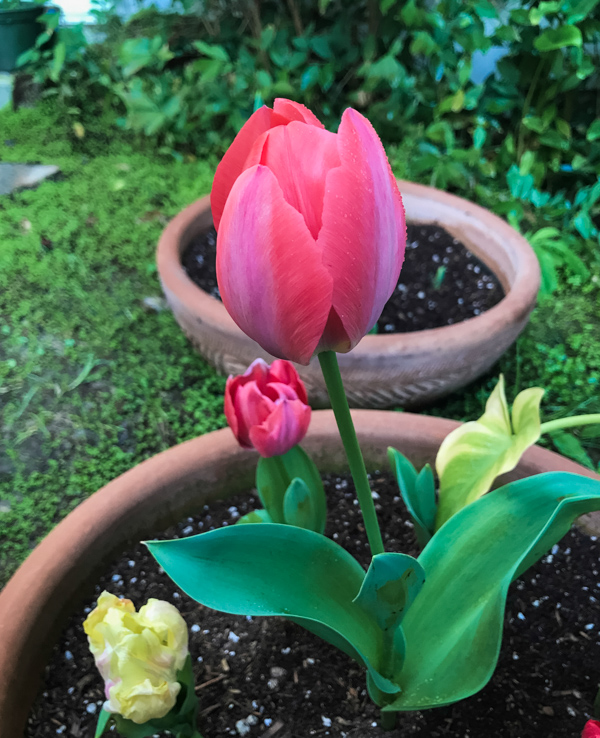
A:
388, 720
570, 422
339, 403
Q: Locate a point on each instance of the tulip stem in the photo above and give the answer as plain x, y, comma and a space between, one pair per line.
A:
339, 403
570, 422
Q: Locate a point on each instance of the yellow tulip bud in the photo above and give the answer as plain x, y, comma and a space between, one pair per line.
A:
138, 655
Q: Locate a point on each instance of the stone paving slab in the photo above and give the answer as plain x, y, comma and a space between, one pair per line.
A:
16, 176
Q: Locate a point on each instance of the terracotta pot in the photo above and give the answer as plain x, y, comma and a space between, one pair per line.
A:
406, 369
58, 574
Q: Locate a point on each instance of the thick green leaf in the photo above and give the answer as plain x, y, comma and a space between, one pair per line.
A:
129, 729
581, 10
279, 570
212, 51
418, 493
454, 628
256, 516
187, 704
390, 586
569, 445
274, 476
102, 724
388, 590
301, 507
473, 455
137, 53
425, 497
558, 38
593, 132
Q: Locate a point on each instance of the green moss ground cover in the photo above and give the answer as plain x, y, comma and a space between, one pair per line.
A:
94, 378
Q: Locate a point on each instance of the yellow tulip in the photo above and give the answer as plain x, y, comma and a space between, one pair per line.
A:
138, 655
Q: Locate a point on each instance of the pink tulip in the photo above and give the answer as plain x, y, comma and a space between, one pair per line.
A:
591, 729
311, 231
266, 407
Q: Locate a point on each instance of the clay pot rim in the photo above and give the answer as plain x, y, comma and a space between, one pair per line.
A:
34, 603
517, 302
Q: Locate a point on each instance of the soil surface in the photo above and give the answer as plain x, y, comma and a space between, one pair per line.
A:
268, 678
441, 282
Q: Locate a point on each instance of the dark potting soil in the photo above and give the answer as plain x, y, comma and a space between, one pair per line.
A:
269, 678
441, 281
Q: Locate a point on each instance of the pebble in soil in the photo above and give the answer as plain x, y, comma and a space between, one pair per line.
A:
441, 281
268, 678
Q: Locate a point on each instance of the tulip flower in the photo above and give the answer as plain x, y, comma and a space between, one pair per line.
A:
591, 729
138, 655
266, 407
311, 231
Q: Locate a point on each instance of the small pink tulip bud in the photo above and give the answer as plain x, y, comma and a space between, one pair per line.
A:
591, 729
266, 407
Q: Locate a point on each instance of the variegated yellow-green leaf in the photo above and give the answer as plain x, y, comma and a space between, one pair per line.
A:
472, 456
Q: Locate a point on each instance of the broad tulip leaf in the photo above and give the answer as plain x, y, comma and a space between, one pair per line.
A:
454, 628
388, 590
274, 476
418, 493
390, 586
301, 507
279, 570
473, 455
558, 38
256, 516
425, 495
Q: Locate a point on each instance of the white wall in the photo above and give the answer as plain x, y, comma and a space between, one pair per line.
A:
78, 11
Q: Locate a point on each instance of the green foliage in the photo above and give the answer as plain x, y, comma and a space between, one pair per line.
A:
418, 492
14, 4
454, 627
279, 570
428, 631
291, 490
192, 80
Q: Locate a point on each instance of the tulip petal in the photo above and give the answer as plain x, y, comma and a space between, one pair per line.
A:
282, 430
284, 373
335, 337
257, 372
279, 391
296, 111
253, 404
269, 269
234, 161
229, 407
300, 157
363, 235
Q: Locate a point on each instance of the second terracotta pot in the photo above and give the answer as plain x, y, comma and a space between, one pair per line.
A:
406, 369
